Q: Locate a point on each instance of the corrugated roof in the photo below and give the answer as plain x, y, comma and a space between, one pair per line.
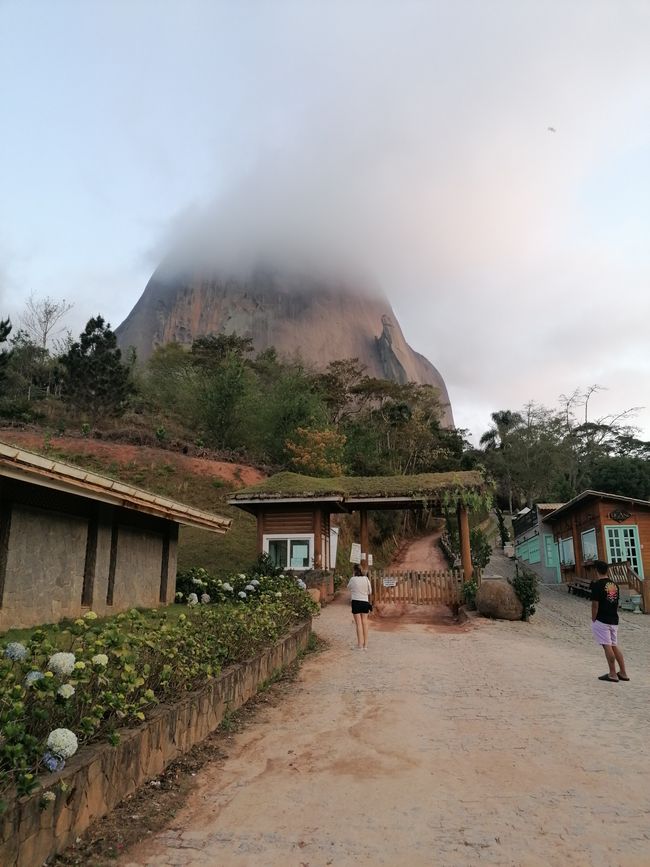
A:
41, 470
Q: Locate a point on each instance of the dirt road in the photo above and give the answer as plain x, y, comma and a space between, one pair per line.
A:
488, 744
420, 555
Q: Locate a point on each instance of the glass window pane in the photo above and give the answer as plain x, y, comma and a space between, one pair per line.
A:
299, 554
589, 545
278, 553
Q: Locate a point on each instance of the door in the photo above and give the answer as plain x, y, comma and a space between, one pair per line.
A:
551, 555
623, 544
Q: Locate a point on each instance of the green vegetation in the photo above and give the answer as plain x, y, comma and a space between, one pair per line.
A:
80, 682
526, 585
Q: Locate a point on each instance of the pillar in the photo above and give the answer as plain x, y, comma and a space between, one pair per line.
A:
318, 539
363, 536
465, 549
260, 532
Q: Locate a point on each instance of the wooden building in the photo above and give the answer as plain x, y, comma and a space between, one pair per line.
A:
535, 544
72, 540
294, 512
600, 526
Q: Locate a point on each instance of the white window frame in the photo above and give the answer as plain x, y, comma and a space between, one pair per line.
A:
586, 557
291, 537
562, 560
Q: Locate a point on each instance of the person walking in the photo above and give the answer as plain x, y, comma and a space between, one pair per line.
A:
604, 622
360, 592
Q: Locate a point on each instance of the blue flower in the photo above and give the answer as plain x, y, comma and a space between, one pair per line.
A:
53, 763
16, 651
32, 677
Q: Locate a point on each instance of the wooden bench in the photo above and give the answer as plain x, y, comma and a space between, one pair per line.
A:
579, 586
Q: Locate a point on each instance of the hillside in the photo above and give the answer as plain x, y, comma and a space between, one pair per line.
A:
197, 481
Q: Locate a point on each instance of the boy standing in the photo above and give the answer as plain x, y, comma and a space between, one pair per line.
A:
604, 622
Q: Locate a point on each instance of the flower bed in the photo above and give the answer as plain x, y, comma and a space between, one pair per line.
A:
66, 686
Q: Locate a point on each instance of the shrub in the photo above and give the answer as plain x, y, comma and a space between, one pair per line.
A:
526, 587
469, 591
481, 548
91, 677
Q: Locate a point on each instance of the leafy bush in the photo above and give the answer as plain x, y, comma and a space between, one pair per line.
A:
481, 548
469, 591
91, 677
526, 587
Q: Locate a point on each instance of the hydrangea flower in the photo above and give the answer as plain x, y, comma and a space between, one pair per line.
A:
192, 599
100, 659
62, 664
53, 763
278, 595
242, 576
90, 615
79, 666
241, 594
16, 651
179, 595
33, 677
204, 598
228, 587
48, 797
255, 582
198, 582
301, 584
66, 690
250, 588
62, 743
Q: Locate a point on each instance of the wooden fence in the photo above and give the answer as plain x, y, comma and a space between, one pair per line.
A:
419, 588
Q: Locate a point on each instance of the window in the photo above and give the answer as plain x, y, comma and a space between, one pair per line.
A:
589, 545
567, 556
290, 552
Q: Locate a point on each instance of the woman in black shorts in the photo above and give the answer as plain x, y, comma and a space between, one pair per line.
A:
360, 590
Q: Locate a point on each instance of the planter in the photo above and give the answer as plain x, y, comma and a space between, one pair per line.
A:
100, 776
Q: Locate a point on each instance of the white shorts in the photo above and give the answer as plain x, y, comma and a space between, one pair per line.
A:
604, 633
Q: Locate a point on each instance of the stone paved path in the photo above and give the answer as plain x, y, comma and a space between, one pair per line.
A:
491, 744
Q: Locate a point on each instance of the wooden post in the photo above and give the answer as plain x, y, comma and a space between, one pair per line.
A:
465, 550
577, 547
363, 536
260, 532
318, 539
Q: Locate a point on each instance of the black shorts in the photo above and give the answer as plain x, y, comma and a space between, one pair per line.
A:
361, 607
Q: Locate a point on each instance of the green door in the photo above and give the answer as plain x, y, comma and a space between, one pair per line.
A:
551, 555
623, 544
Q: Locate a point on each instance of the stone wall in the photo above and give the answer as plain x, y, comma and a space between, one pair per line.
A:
61, 554
100, 776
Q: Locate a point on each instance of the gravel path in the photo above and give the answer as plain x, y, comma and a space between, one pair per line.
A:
492, 743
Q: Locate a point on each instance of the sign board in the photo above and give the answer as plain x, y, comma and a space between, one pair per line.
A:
370, 558
389, 582
355, 553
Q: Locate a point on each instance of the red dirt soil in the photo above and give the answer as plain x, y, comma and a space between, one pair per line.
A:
239, 475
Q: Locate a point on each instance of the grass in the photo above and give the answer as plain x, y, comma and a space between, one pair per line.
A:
423, 485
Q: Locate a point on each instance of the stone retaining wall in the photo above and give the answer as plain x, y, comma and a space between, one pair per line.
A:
100, 776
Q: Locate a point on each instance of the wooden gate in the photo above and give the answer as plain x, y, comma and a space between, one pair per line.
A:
419, 588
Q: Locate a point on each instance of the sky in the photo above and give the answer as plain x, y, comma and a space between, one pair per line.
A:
486, 162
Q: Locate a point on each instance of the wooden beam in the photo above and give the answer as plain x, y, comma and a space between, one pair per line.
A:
318, 539
363, 536
260, 532
465, 549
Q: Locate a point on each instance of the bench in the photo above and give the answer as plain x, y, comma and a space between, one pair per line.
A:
579, 586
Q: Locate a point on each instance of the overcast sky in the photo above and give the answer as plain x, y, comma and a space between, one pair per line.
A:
410, 137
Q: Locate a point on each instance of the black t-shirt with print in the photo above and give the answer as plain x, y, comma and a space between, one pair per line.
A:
605, 593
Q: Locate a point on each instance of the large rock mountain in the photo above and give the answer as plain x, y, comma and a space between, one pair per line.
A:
320, 320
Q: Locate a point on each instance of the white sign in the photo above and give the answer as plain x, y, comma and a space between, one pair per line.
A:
389, 582
370, 558
355, 553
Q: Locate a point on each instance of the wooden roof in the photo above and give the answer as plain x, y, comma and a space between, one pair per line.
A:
40, 470
350, 492
595, 495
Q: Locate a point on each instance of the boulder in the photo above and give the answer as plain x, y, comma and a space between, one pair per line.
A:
498, 599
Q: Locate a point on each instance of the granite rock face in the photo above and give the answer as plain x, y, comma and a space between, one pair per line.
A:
321, 321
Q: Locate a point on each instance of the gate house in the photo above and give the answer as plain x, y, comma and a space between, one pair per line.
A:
72, 540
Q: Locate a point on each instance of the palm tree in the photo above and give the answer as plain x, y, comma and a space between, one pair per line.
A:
505, 423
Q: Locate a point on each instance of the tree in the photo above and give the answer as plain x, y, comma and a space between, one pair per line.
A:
316, 452
96, 382
498, 439
41, 318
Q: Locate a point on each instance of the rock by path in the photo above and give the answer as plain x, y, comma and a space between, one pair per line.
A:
493, 744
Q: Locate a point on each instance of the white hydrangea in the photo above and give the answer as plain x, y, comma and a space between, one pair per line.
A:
66, 690
16, 651
63, 743
278, 595
205, 598
192, 599
90, 615
33, 676
250, 588
255, 582
242, 576
241, 594
62, 664
100, 659
228, 587
301, 584
179, 595
48, 797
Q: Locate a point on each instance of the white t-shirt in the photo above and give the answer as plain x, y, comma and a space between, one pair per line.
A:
359, 587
